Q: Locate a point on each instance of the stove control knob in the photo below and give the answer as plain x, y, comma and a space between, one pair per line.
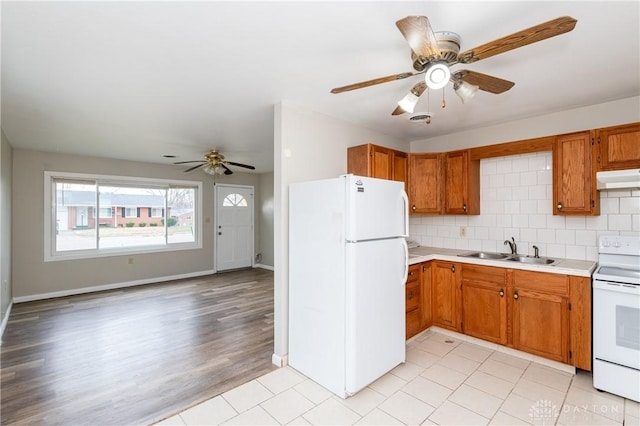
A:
617, 244
606, 243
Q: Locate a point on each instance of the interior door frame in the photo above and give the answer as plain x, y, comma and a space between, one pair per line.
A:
215, 221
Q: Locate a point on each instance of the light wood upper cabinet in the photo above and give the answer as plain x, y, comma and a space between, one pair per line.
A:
377, 162
618, 147
574, 188
461, 183
445, 297
484, 303
425, 183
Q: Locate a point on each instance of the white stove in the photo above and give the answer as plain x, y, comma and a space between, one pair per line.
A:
616, 317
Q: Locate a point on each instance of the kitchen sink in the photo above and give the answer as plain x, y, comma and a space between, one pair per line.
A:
533, 260
510, 257
486, 255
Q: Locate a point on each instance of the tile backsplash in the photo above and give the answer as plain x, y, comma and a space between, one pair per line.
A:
516, 201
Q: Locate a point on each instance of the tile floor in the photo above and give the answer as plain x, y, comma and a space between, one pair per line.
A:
445, 381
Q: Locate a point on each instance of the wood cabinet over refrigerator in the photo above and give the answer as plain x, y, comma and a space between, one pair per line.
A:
378, 162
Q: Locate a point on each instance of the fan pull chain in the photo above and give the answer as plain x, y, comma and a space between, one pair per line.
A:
444, 104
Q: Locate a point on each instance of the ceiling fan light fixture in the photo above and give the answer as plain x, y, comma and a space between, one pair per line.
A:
408, 103
465, 90
437, 75
213, 170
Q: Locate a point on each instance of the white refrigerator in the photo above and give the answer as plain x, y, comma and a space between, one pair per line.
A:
347, 270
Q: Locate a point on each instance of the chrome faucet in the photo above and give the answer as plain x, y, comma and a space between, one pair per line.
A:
512, 245
535, 252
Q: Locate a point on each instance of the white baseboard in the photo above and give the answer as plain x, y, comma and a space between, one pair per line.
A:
260, 265
5, 320
113, 286
280, 361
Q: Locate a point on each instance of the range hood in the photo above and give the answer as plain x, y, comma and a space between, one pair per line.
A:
618, 179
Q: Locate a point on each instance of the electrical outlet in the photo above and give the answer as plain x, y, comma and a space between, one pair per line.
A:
130, 261
463, 231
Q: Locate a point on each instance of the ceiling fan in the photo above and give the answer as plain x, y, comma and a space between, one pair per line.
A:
433, 53
214, 164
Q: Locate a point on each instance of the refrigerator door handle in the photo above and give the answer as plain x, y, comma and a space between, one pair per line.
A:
406, 260
405, 199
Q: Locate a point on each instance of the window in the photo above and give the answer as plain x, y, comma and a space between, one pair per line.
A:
105, 212
234, 200
157, 212
130, 212
93, 216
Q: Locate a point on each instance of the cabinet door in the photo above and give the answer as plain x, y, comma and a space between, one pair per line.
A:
413, 301
400, 167
444, 295
426, 295
619, 147
425, 183
382, 162
574, 189
540, 324
461, 183
484, 303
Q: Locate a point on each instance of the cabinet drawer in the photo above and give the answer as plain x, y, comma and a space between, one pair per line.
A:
414, 273
412, 296
489, 274
542, 282
413, 320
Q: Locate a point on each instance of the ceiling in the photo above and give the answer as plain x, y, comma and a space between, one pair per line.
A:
139, 80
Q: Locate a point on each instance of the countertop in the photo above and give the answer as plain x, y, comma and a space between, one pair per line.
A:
582, 268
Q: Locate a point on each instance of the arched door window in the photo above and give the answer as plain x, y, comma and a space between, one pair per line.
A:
234, 200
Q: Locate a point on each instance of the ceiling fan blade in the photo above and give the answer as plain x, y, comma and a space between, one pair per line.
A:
531, 35
486, 82
418, 33
186, 162
417, 90
194, 167
227, 171
373, 82
239, 165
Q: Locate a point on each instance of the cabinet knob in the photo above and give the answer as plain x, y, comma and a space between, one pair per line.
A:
453, 268
515, 295
413, 207
464, 207
411, 273
501, 292
559, 205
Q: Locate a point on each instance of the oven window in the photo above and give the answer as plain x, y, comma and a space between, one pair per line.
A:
628, 327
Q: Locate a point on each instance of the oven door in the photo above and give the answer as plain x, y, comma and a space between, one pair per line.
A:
616, 323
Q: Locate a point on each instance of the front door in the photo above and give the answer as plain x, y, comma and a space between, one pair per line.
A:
234, 226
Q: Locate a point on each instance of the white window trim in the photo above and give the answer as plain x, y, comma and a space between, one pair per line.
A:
50, 255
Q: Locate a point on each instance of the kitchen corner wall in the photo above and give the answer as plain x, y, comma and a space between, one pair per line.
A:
516, 201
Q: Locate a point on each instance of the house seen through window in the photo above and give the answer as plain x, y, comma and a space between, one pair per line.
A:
91, 216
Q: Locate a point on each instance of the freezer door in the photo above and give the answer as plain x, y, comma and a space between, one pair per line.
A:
375, 312
376, 208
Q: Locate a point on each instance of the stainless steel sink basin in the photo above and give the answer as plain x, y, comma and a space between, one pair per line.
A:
510, 257
486, 255
533, 260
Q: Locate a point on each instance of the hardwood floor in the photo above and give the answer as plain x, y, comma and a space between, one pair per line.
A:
135, 355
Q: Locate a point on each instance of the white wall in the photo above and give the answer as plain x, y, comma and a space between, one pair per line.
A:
516, 201
307, 146
590, 117
33, 278
6, 252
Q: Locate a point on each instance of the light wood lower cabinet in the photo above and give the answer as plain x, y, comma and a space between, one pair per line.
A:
413, 301
536, 312
445, 296
484, 303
